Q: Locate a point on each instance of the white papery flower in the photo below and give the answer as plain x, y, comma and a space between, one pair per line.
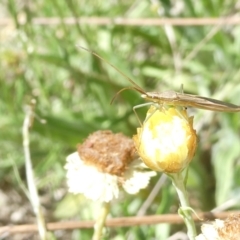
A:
104, 164
221, 230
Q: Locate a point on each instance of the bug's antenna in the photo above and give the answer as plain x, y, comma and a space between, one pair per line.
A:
135, 86
126, 88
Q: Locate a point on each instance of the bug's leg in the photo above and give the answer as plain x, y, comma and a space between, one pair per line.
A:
157, 107
162, 108
181, 89
143, 105
139, 106
181, 115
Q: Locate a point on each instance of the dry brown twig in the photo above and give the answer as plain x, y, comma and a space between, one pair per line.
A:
116, 222
128, 21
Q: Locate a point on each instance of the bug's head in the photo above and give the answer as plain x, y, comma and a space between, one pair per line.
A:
138, 89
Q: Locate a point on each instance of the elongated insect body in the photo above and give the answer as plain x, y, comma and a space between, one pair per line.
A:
172, 97
189, 100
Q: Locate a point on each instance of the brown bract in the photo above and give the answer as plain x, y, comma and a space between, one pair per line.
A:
109, 152
231, 228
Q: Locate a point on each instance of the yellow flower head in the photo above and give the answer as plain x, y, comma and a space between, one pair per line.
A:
167, 141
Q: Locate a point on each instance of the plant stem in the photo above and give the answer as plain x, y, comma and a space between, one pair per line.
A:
100, 222
178, 180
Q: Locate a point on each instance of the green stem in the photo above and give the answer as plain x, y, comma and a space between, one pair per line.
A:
178, 180
100, 222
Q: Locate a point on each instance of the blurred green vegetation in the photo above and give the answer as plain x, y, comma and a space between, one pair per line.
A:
73, 90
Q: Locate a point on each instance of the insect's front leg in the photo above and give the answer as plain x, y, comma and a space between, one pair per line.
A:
140, 106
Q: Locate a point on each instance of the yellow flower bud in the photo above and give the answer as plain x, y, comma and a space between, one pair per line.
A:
167, 141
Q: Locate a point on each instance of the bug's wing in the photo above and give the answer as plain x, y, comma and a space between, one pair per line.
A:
207, 103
